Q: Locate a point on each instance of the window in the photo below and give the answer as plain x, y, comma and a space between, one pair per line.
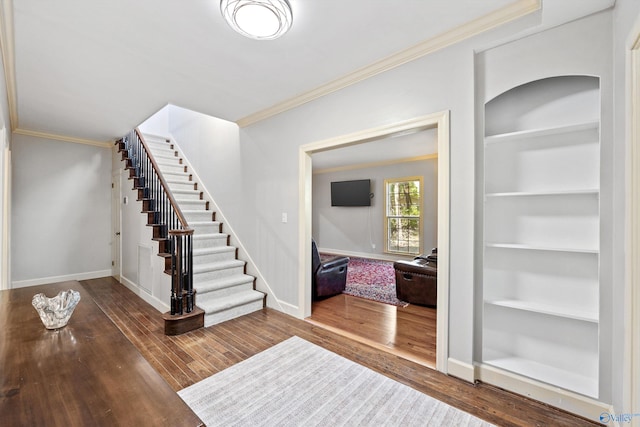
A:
403, 215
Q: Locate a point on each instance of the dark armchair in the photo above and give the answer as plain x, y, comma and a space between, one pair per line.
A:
328, 277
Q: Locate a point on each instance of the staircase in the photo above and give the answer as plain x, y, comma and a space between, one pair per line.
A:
223, 289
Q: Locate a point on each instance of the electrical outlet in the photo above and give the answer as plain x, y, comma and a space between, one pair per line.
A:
373, 246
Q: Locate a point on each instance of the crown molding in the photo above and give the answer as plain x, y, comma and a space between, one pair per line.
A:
472, 28
63, 138
7, 46
376, 164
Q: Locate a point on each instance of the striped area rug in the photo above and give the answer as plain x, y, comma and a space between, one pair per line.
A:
297, 383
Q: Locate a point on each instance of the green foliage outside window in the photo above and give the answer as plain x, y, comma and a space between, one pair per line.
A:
404, 209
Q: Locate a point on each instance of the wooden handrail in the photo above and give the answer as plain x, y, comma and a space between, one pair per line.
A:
165, 185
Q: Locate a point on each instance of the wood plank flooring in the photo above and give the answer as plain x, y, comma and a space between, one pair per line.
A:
185, 359
85, 374
409, 331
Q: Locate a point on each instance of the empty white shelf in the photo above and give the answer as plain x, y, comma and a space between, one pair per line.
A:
534, 133
540, 248
593, 191
535, 307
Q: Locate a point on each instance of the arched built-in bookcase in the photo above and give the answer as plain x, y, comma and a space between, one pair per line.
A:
541, 233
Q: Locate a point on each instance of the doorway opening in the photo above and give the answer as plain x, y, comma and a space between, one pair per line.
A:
439, 122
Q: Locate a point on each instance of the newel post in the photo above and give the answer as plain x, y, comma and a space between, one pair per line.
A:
182, 296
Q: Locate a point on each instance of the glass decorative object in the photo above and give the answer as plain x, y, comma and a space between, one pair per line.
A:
55, 312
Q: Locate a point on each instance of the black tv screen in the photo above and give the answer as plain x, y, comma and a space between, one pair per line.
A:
351, 193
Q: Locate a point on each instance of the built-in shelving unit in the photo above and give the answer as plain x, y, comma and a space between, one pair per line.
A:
541, 213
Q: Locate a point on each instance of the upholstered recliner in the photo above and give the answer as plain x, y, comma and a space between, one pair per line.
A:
417, 280
329, 277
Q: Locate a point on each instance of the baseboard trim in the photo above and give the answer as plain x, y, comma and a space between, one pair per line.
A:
58, 279
285, 307
560, 398
159, 305
464, 371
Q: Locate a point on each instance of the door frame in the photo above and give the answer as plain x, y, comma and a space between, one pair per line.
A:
5, 190
438, 121
632, 286
116, 221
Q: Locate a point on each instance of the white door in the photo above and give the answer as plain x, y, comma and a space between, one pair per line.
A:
115, 225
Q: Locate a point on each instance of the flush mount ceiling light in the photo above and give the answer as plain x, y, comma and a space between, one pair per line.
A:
258, 19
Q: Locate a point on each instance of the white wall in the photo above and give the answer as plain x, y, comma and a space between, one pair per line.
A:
353, 230
157, 124
142, 270
61, 211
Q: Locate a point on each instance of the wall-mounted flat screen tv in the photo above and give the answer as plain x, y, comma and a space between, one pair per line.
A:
351, 193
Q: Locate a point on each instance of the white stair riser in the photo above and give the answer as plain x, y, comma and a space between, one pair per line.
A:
193, 205
214, 257
184, 185
210, 242
198, 216
191, 195
166, 163
216, 274
165, 156
223, 316
161, 150
177, 168
180, 177
156, 139
203, 297
208, 228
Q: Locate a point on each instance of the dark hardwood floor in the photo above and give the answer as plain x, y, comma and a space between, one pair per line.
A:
185, 359
409, 331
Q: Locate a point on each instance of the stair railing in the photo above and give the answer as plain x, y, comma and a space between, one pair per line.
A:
166, 218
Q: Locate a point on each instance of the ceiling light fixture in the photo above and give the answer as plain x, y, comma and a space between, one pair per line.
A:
258, 19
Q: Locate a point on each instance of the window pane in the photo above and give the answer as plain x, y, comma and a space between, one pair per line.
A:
403, 198
404, 235
403, 204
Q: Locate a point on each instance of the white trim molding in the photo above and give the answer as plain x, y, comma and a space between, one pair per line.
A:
551, 395
64, 138
472, 28
7, 46
632, 285
56, 279
439, 121
5, 190
464, 371
159, 305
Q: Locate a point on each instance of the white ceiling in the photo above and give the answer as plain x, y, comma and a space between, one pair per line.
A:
383, 150
94, 69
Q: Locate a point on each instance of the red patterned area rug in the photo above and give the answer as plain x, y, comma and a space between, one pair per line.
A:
372, 279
